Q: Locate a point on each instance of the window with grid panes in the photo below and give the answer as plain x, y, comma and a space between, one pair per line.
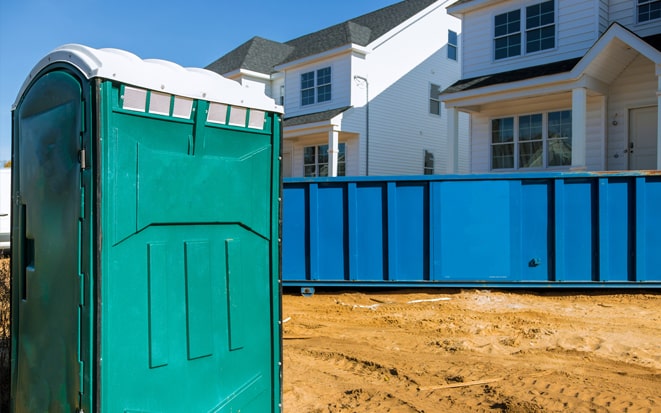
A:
539, 140
315, 160
648, 10
316, 86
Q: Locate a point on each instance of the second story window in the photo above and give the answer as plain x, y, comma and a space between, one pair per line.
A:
316, 86
434, 100
507, 34
538, 32
649, 10
540, 27
453, 45
307, 88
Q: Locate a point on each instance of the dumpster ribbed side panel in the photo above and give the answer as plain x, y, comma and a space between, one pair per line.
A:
557, 230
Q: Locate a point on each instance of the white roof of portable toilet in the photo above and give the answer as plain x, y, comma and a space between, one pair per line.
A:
159, 75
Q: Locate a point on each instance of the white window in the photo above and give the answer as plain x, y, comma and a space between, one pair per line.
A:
649, 10
540, 27
539, 140
315, 160
316, 86
539, 33
507, 34
428, 165
434, 100
453, 45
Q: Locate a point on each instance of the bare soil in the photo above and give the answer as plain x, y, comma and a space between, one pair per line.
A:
458, 351
472, 351
5, 304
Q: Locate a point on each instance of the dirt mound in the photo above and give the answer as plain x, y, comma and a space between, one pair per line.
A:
459, 351
472, 351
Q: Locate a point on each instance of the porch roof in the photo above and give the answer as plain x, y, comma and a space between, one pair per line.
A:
314, 117
513, 75
617, 46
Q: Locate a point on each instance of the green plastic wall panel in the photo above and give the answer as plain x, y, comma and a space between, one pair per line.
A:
189, 278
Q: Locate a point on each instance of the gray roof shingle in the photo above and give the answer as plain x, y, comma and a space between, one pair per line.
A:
512, 75
314, 117
257, 54
262, 55
529, 72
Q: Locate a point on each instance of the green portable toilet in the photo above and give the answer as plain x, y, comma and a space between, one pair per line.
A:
145, 239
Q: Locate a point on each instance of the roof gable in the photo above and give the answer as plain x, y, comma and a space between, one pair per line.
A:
614, 50
262, 55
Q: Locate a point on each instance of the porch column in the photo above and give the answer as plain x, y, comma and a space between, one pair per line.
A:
452, 166
333, 151
579, 97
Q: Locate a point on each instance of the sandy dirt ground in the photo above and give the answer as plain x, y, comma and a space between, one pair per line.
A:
472, 351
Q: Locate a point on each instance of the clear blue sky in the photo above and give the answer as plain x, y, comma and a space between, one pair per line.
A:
190, 33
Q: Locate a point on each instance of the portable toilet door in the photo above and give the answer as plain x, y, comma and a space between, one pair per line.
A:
145, 235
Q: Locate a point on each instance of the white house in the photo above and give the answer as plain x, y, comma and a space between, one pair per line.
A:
559, 84
361, 97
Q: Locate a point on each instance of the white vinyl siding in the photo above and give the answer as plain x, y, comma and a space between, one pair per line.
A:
398, 83
340, 81
576, 31
480, 148
625, 12
401, 127
635, 88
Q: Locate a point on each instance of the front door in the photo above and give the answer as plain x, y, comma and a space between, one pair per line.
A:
642, 138
51, 340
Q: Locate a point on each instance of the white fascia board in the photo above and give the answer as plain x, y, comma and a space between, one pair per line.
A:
349, 48
152, 74
256, 75
617, 32
234, 74
317, 127
510, 91
307, 129
460, 9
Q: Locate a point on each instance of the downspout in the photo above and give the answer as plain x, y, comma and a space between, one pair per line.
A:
367, 122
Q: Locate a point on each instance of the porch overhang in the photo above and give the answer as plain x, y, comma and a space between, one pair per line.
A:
598, 68
313, 123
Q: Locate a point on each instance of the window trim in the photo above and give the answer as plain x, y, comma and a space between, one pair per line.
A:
436, 100
540, 27
516, 142
453, 46
342, 148
507, 35
428, 162
637, 11
523, 32
316, 87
